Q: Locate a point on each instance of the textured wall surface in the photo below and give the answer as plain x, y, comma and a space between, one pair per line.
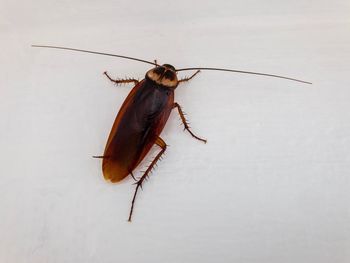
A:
272, 183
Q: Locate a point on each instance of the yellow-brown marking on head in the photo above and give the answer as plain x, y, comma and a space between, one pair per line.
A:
164, 75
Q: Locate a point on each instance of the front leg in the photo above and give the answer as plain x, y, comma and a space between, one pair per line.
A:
121, 81
189, 78
184, 121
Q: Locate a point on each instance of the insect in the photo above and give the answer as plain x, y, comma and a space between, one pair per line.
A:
142, 117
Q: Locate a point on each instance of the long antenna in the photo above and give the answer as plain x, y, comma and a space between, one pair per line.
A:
182, 69
98, 53
246, 72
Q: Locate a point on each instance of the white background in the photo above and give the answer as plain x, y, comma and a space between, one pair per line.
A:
271, 185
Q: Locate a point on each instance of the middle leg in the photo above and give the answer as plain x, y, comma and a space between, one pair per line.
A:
184, 121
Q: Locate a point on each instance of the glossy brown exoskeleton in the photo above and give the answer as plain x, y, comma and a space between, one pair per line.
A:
142, 118
139, 123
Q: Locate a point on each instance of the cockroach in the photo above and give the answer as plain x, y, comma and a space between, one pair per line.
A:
142, 117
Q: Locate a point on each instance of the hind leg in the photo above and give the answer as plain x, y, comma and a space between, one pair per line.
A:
162, 145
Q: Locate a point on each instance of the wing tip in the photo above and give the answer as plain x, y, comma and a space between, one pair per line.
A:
113, 171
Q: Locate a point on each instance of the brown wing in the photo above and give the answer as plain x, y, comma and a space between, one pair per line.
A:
138, 124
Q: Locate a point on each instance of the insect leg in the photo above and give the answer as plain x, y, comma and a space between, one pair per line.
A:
162, 145
121, 81
189, 78
184, 121
132, 175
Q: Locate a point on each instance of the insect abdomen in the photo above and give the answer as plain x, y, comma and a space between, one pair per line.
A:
136, 128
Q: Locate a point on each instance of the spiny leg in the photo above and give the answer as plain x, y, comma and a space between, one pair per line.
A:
121, 81
162, 145
133, 177
184, 121
189, 78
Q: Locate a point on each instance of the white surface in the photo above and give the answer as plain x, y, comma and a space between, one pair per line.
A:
271, 185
